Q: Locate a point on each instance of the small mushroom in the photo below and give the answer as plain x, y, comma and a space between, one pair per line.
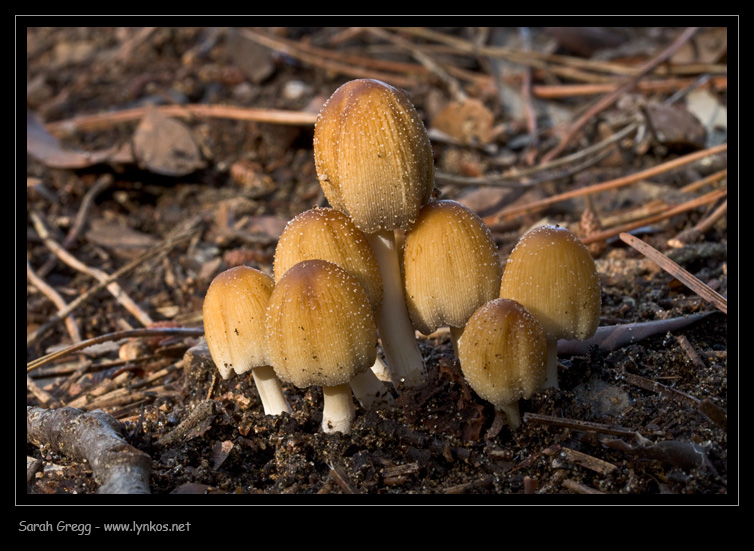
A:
321, 332
451, 267
551, 272
234, 313
374, 162
328, 234
503, 355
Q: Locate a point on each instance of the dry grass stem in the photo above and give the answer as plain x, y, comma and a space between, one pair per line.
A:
682, 275
535, 206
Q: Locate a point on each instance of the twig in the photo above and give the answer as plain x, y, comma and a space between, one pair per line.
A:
104, 120
73, 331
712, 178
102, 388
714, 412
554, 91
575, 68
662, 390
125, 396
692, 204
146, 332
690, 351
612, 97
112, 286
658, 205
604, 186
102, 183
585, 460
55, 298
127, 48
32, 337
455, 89
44, 397
682, 275
692, 234
580, 487
96, 438
529, 112
468, 486
530, 177
111, 397
529, 183
203, 411
576, 424
324, 59
339, 475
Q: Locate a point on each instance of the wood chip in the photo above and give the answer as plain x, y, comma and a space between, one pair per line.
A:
587, 461
580, 488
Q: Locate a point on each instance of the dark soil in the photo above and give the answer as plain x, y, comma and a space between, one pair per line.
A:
645, 419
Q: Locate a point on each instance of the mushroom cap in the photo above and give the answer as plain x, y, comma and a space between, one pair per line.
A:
234, 313
451, 266
503, 352
328, 234
373, 156
320, 326
551, 272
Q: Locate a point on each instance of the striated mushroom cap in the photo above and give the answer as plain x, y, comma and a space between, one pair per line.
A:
451, 266
234, 313
503, 352
328, 234
373, 156
320, 326
551, 272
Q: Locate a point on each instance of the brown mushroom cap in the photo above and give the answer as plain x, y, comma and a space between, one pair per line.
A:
234, 312
451, 266
328, 234
551, 272
320, 326
373, 156
503, 352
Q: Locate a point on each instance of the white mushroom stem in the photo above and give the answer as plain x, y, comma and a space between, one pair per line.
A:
338, 410
270, 391
512, 414
455, 336
370, 391
551, 380
381, 371
404, 360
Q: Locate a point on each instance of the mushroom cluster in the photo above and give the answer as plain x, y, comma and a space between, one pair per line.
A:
386, 260
328, 234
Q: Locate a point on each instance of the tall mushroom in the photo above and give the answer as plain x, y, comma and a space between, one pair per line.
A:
451, 267
551, 272
328, 234
321, 332
374, 162
234, 313
503, 355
